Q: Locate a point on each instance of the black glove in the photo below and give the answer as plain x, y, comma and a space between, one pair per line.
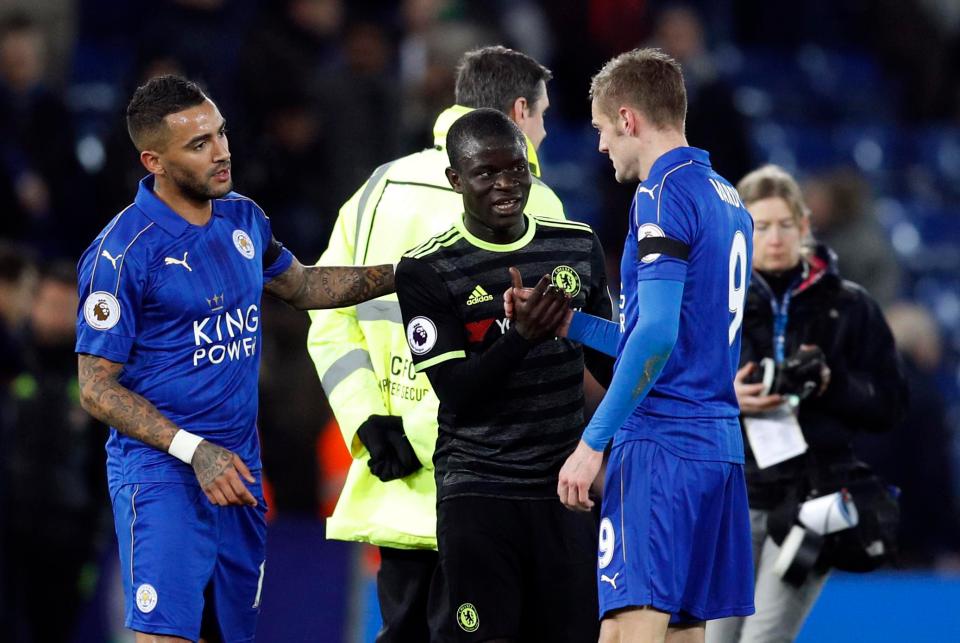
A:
391, 455
801, 374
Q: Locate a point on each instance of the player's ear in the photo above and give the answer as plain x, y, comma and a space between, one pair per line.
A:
151, 161
518, 110
454, 178
627, 120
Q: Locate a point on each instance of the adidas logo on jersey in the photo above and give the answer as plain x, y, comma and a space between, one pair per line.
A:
478, 296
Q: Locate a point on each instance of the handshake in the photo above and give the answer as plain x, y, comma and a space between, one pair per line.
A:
537, 313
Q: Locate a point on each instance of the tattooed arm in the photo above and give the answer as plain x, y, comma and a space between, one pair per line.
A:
102, 396
308, 288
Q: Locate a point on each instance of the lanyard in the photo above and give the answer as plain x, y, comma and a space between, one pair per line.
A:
781, 312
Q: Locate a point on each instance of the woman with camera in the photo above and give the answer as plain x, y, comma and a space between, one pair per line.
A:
818, 364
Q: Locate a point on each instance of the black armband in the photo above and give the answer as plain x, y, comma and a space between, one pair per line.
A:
271, 252
663, 246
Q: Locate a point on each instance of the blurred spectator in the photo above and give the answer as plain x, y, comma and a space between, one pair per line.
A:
840, 211
524, 22
713, 121
417, 17
17, 283
916, 456
18, 279
290, 45
57, 20
288, 174
910, 42
434, 38
39, 175
617, 25
52, 473
357, 93
569, 21
207, 36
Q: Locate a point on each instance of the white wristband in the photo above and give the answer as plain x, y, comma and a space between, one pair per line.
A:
183, 445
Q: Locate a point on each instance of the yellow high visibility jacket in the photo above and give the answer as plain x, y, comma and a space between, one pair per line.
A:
361, 352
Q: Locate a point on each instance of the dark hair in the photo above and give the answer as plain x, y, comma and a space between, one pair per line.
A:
152, 102
17, 22
645, 79
481, 125
496, 76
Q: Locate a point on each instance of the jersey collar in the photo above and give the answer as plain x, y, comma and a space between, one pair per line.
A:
446, 119
161, 213
676, 156
498, 247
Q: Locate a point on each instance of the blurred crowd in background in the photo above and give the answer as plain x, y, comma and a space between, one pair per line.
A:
861, 99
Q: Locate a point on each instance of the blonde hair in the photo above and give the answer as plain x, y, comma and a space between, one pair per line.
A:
646, 79
772, 181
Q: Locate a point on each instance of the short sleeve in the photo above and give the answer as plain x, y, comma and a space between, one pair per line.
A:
664, 223
110, 301
434, 330
276, 257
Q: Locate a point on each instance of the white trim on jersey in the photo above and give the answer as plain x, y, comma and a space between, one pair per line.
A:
133, 507
246, 198
96, 260
663, 186
120, 269
623, 531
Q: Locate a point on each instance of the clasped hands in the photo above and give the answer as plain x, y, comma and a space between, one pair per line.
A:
539, 312
549, 308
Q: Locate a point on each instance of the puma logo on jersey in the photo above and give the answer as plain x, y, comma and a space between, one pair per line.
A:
169, 261
112, 260
478, 296
642, 190
606, 579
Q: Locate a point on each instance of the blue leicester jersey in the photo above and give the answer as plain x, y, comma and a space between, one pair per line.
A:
688, 224
179, 306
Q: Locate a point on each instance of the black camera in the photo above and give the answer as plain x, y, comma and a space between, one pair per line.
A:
799, 375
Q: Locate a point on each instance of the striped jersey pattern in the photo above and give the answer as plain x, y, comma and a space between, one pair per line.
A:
516, 441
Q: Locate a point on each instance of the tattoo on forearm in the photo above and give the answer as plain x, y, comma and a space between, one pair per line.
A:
335, 286
651, 368
209, 461
131, 414
332, 286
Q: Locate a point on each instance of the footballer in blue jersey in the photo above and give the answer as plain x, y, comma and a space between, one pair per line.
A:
168, 338
674, 541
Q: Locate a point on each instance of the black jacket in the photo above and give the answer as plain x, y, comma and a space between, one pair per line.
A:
867, 390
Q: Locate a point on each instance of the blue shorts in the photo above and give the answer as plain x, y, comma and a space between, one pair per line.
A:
175, 546
674, 535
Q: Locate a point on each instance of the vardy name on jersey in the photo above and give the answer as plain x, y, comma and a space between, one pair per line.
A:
687, 224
